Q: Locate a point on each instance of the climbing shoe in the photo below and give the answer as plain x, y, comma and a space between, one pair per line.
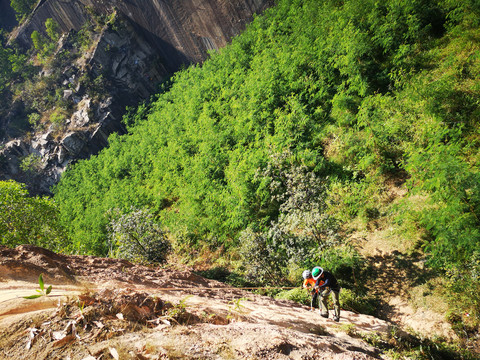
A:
324, 315
336, 318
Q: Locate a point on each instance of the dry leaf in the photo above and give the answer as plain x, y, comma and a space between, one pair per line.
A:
58, 335
86, 300
99, 324
67, 339
31, 337
114, 353
120, 316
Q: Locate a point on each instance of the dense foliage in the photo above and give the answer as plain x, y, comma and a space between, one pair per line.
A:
28, 220
275, 148
352, 92
22, 7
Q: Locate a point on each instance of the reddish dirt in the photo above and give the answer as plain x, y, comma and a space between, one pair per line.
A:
103, 308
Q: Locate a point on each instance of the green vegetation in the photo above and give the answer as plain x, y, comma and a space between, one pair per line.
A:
45, 46
295, 129
22, 7
271, 151
135, 236
347, 100
28, 220
42, 291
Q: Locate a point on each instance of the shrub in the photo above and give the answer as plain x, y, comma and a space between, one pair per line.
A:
32, 164
58, 117
37, 39
351, 300
464, 289
52, 29
348, 266
28, 220
262, 258
22, 7
299, 295
34, 119
137, 237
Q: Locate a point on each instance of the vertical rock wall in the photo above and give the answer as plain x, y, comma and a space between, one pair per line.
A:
181, 30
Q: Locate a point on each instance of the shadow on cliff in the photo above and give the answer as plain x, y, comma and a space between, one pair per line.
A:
173, 59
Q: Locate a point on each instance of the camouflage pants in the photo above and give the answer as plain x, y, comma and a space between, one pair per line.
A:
336, 301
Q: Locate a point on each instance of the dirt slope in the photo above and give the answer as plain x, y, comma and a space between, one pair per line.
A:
106, 309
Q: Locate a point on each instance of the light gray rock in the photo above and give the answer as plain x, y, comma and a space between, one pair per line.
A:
67, 94
73, 142
81, 116
61, 154
12, 153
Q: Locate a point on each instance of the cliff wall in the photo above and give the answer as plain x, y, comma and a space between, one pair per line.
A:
182, 31
150, 40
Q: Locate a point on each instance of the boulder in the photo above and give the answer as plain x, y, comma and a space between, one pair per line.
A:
81, 117
73, 142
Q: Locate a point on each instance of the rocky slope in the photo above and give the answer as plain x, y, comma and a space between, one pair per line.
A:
129, 57
110, 309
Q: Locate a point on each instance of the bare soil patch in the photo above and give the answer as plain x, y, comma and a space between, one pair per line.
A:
106, 309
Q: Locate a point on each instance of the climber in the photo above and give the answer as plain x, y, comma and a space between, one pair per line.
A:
309, 284
329, 286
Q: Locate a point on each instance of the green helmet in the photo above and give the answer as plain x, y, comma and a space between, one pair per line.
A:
317, 272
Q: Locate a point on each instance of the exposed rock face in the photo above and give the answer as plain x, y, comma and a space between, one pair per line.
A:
151, 39
182, 31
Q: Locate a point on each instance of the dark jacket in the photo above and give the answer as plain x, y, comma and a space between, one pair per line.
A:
329, 281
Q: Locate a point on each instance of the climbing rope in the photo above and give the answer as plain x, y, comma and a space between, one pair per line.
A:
154, 289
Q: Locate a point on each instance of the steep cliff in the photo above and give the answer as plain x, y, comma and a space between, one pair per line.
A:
127, 59
182, 31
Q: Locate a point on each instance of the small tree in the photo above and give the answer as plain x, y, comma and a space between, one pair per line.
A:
28, 220
32, 164
263, 258
303, 228
52, 29
22, 7
137, 237
301, 197
37, 40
